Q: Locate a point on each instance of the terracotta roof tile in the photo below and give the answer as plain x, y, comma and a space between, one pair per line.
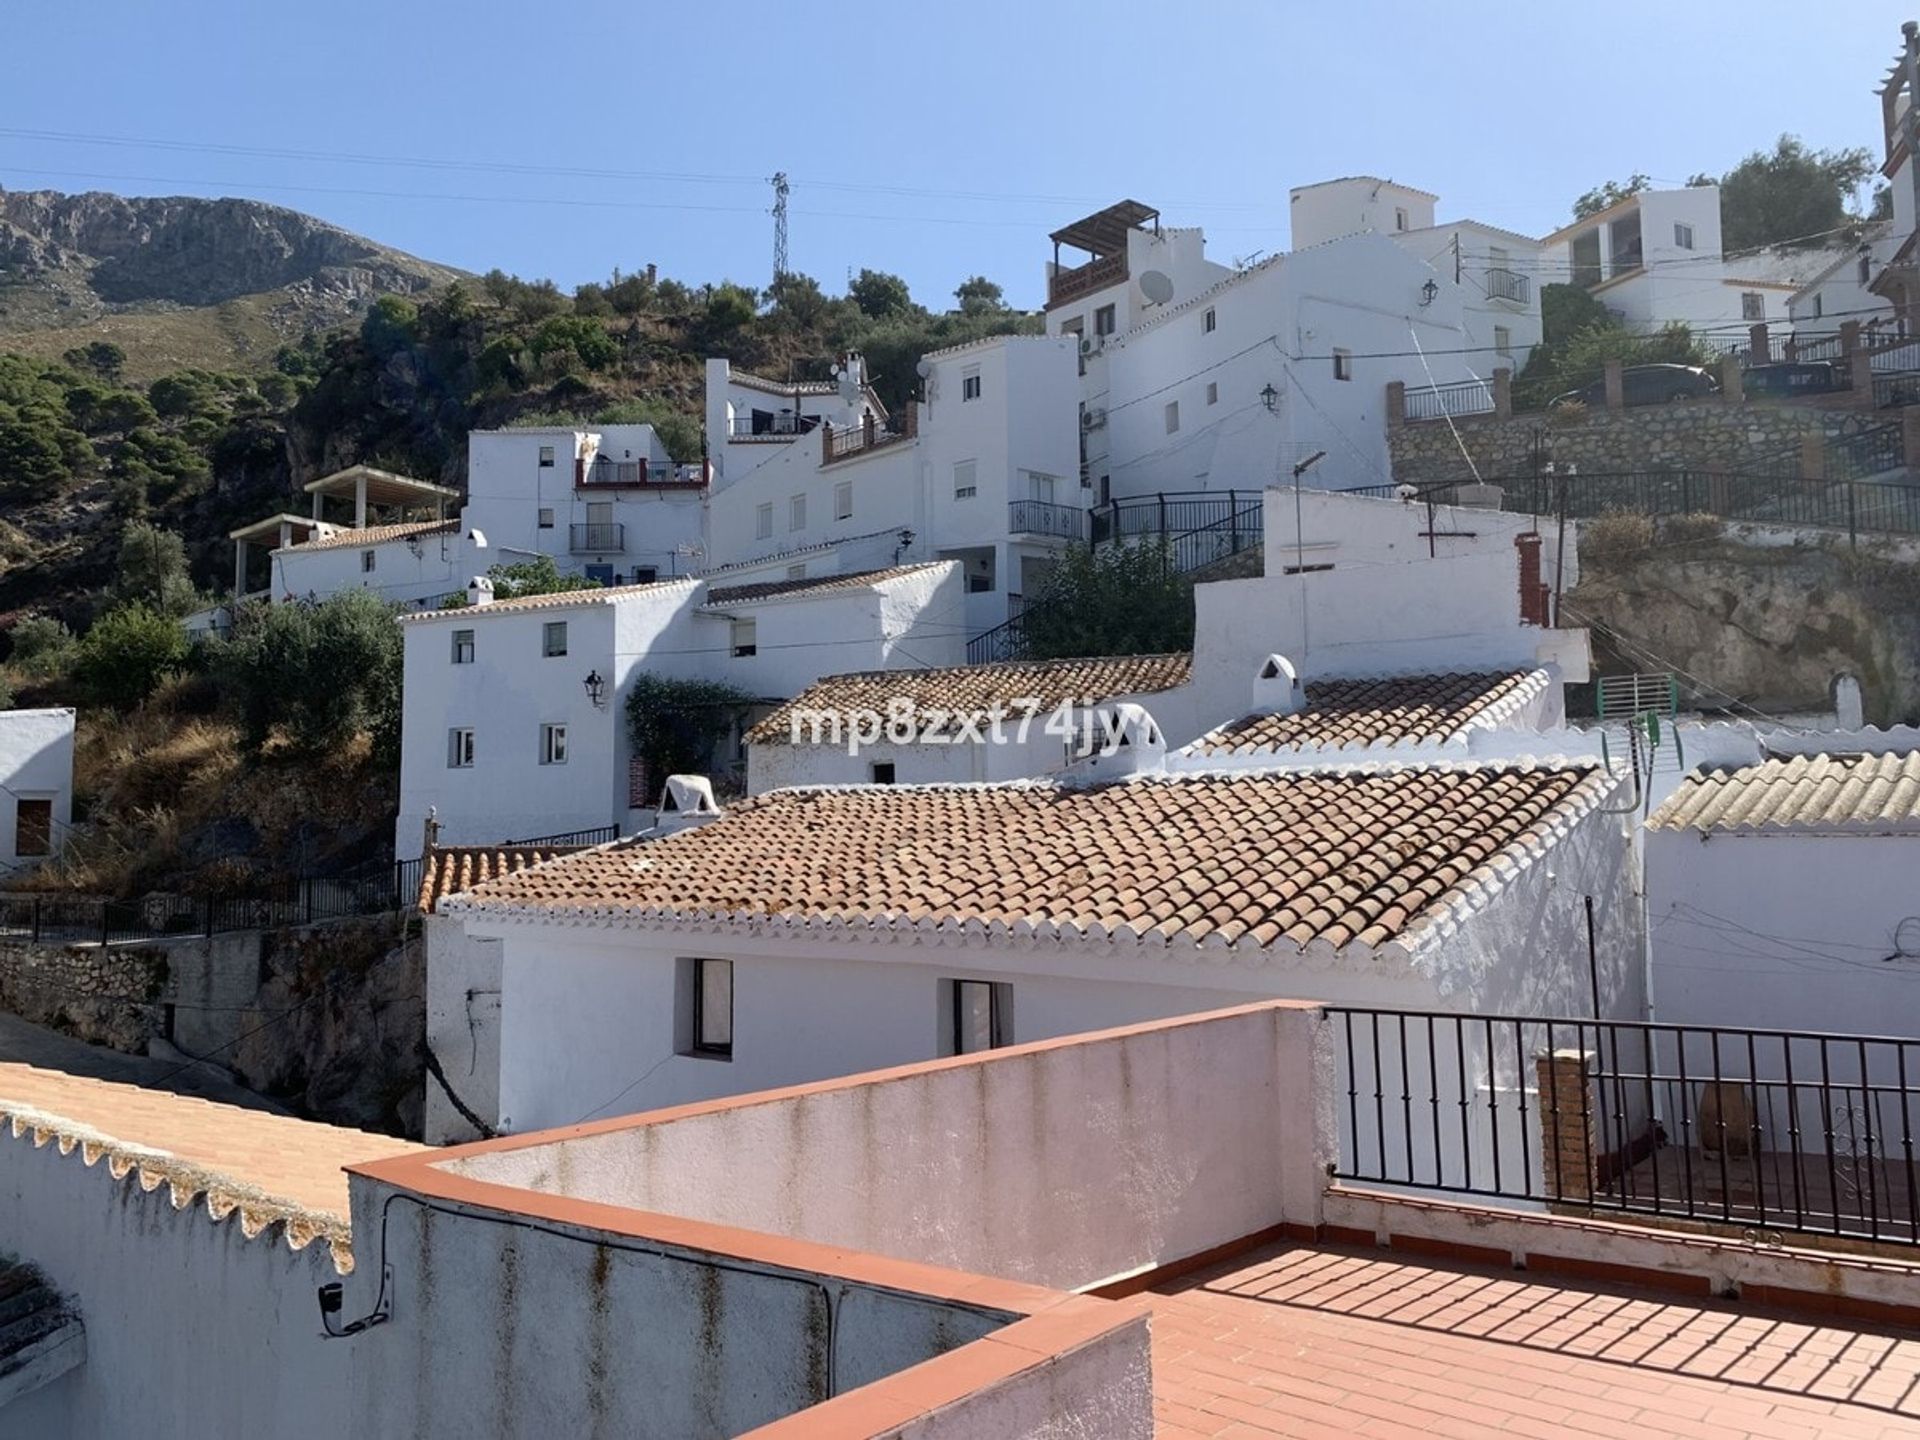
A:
1811, 791
1403, 709
1311, 855
272, 1168
967, 690
589, 595
767, 589
452, 869
377, 534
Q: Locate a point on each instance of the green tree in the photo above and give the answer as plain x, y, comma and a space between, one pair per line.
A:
798, 301
153, 569
42, 646
980, 296
729, 309
676, 726
526, 577
188, 392
1118, 600
391, 324
34, 463
316, 673
880, 295
579, 336
127, 652
101, 357
1790, 194
1610, 193
1566, 310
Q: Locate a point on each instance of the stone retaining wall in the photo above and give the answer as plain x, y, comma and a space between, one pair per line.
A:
106, 997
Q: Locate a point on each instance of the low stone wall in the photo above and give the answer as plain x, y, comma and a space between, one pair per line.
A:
106, 997
1689, 435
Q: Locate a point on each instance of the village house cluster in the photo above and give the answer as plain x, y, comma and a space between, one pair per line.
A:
1296, 1028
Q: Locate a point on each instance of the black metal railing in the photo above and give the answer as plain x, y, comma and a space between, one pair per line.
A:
1855, 506
1818, 347
1891, 391
58, 919
602, 538
1437, 402
1043, 517
1774, 1130
599, 835
1173, 512
1871, 452
1508, 285
762, 426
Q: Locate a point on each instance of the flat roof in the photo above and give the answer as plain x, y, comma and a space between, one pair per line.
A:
270, 527
1369, 179
383, 486
1105, 231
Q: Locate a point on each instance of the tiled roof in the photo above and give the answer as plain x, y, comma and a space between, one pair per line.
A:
1251, 860
377, 534
768, 589
1814, 791
749, 381
271, 1168
591, 595
965, 690
450, 869
1398, 710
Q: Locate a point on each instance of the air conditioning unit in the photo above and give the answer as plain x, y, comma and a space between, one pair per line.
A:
1093, 418
1090, 344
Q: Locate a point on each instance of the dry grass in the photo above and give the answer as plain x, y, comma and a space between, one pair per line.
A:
1616, 535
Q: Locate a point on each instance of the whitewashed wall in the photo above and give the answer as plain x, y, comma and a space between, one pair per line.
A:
36, 763
463, 1028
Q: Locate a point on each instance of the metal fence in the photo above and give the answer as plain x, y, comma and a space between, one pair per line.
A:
1768, 1129
56, 919
1043, 517
1436, 402
1855, 506
1171, 513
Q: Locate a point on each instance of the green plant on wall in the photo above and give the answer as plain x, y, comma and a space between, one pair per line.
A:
678, 726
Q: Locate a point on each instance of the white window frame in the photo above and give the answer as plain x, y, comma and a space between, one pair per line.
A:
553, 743
463, 647
551, 630
706, 988
1208, 321
743, 639
1173, 417
1683, 235
962, 995
970, 383
763, 520
797, 512
966, 479
1400, 217
545, 517
546, 457
843, 500
1503, 341
1753, 307
1105, 320
460, 748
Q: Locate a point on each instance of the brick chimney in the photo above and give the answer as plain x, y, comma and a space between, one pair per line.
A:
1533, 590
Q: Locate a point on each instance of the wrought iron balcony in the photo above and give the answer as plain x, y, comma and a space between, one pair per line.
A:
1042, 517
1508, 285
600, 539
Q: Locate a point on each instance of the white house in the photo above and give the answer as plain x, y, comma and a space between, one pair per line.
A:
1840, 290
750, 419
515, 722
1655, 258
1497, 271
982, 469
36, 785
1202, 378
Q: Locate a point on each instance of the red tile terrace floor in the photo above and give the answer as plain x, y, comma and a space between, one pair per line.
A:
1315, 1342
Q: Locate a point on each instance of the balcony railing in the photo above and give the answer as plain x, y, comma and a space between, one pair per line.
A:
600, 539
855, 439
771, 427
635, 474
1065, 285
1043, 517
1508, 285
1437, 402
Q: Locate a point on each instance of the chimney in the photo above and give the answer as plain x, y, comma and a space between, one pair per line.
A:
1277, 689
685, 803
479, 591
1849, 707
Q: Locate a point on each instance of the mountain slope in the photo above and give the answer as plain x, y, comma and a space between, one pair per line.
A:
181, 282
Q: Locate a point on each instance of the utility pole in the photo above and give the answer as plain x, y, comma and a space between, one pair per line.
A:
1910, 123
780, 187
1456, 257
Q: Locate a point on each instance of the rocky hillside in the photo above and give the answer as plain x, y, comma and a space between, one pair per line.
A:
179, 282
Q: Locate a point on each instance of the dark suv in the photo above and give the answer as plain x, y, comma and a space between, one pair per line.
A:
1648, 385
1798, 377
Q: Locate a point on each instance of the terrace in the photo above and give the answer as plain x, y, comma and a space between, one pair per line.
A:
1102, 235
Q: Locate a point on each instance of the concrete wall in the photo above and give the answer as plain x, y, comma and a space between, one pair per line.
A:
463, 1029
36, 763
444, 565
192, 1328
1064, 1165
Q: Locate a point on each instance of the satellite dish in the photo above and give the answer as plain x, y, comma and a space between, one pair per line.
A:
1157, 286
849, 391
923, 369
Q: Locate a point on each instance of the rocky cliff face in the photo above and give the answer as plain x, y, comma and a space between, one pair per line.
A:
68, 260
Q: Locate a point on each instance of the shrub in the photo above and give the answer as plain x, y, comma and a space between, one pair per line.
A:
1615, 535
319, 673
1688, 529
1121, 600
676, 726
129, 651
42, 647
153, 568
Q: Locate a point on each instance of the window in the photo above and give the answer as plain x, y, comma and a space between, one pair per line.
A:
1103, 320
33, 827
796, 572
1753, 305
1866, 267
553, 638
645, 574
1399, 217
459, 749
970, 383
546, 457
843, 500
367, 558
463, 647
881, 772
964, 486
1817, 307
1213, 392
980, 1015
797, 513
1173, 416
746, 639
1042, 487
1683, 235
1343, 364
1502, 340
704, 1019
553, 744
546, 517
763, 522
1207, 321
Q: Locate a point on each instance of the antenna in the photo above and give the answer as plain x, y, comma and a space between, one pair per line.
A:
779, 212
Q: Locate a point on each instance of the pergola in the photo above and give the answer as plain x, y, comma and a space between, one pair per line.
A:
1105, 231
366, 486
276, 532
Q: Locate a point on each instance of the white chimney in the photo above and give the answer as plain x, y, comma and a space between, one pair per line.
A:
1849, 706
1276, 688
479, 591
1129, 742
686, 802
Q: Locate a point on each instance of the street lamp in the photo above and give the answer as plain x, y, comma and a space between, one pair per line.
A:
1428, 291
595, 687
1269, 396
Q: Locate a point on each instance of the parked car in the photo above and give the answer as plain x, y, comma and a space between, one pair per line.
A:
1647, 385
1798, 377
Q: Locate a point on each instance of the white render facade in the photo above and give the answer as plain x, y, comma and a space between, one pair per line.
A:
36, 785
503, 739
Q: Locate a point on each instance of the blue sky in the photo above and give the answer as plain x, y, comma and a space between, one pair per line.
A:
932, 140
